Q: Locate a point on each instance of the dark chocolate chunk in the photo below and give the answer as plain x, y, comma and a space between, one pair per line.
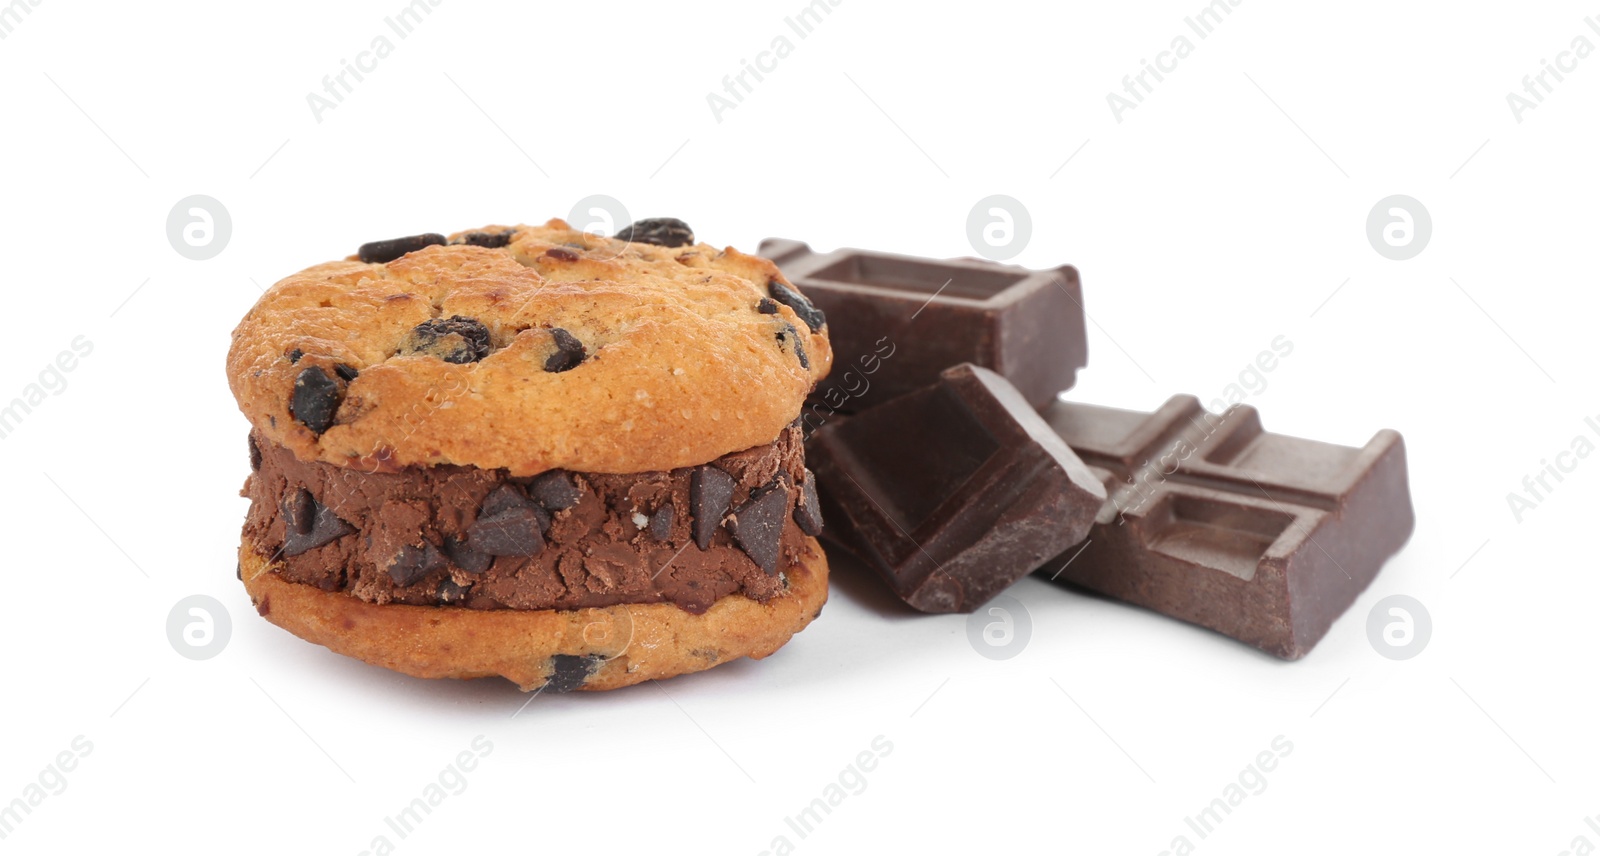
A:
450, 591
383, 252
808, 510
487, 240
345, 371
710, 492
1215, 521
295, 355
508, 498
767, 306
463, 555
661, 231
255, 452
569, 672
562, 254
555, 490
457, 339
413, 563
954, 492
569, 351
802, 307
315, 399
897, 321
502, 498
788, 335
661, 522
309, 524
513, 532
758, 525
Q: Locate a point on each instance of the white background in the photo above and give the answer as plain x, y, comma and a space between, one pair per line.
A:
1222, 212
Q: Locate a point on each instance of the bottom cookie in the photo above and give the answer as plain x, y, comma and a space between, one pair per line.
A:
584, 649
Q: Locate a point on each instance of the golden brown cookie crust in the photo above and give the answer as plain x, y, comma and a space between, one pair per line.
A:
638, 642
682, 367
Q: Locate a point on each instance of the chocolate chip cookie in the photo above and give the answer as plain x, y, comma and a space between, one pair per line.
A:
501, 434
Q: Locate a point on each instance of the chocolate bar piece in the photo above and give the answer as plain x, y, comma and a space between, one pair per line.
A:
953, 492
1210, 519
897, 321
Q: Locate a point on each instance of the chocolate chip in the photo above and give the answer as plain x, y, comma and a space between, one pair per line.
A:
315, 399
568, 671
790, 336
383, 252
309, 524
487, 240
808, 511
555, 490
767, 306
661, 522
758, 525
461, 553
569, 351
345, 371
513, 532
255, 452
502, 498
661, 231
710, 491
798, 302
508, 524
457, 339
709, 655
450, 591
295, 355
561, 254
413, 563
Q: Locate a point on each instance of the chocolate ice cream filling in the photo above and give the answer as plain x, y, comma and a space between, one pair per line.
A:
560, 540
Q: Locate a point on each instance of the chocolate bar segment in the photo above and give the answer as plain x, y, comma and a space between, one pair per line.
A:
953, 492
1215, 521
897, 321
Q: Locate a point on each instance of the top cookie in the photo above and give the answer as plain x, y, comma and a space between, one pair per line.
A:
530, 348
